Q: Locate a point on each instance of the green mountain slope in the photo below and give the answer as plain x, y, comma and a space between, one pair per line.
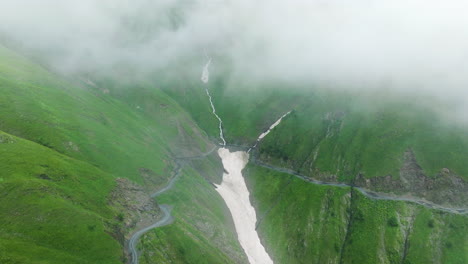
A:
201, 226
97, 124
65, 141
331, 131
71, 139
347, 135
381, 141
305, 223
54, 208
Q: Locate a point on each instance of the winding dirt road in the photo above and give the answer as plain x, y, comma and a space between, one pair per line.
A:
166, 220
368, 193
166, 209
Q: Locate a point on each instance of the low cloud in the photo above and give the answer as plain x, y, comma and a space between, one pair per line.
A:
409, 46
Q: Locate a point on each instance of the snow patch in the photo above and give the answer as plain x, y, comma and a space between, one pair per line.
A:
268, 131
236, 195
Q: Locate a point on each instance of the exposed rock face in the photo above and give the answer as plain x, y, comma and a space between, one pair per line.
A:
383, 183
445, 188
72, 146
152, 180
412, 177
334, 122
5, 139
136, 207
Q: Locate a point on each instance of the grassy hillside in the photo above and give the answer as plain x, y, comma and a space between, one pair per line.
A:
203, 231
93, 123
347, 135
65, 140
330, 131
306, 223
246, 109
54, 208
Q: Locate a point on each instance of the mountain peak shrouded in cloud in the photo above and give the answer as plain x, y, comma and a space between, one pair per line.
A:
413, 46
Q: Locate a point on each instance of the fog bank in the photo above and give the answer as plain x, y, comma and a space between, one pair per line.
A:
410, 46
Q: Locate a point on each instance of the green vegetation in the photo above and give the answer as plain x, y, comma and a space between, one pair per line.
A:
306, 223
54, 208
203, 231
329, 132
347, 135
338, 133
392, 221
63, 141
119, 132
246, 108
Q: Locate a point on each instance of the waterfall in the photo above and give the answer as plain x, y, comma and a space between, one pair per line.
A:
205, 78
235, 193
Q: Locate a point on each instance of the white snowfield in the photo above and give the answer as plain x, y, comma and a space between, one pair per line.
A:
236, 195
272, 126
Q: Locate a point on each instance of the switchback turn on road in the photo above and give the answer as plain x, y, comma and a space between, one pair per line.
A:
166, 209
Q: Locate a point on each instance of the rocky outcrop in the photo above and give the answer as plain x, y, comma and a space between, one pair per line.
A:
6, 139
152, 180
136, 208
446, 188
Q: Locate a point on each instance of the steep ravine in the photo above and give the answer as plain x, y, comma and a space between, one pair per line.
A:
236, 196
235, 193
